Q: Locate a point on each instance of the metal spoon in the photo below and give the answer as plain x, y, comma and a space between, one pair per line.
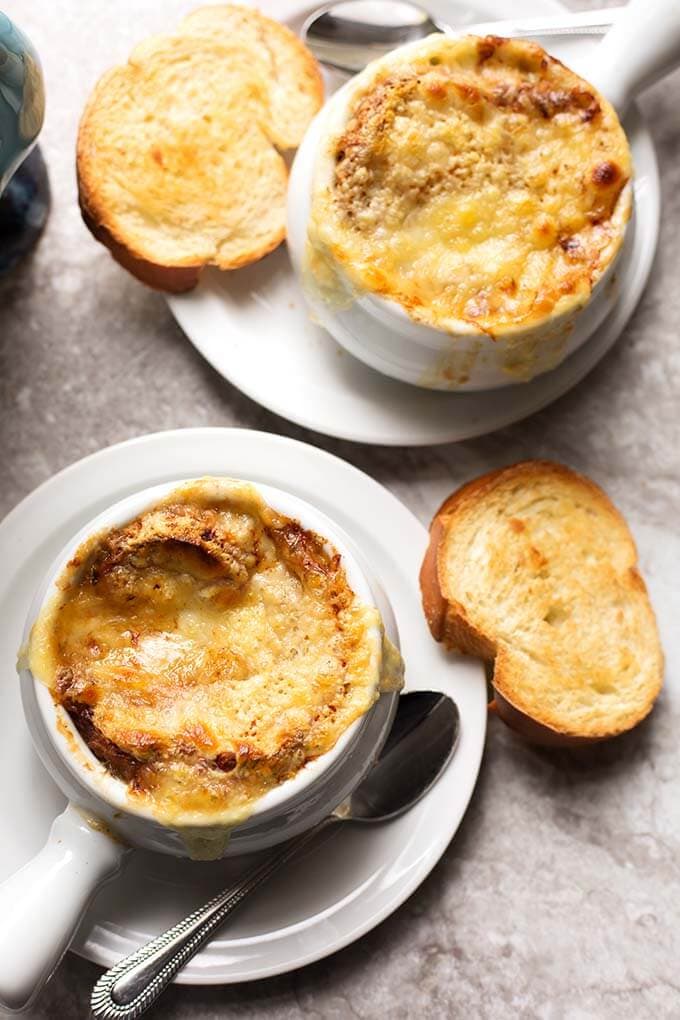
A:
348, 35
421, 743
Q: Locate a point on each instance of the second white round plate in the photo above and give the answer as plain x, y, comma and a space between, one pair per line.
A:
358, 877
254, 328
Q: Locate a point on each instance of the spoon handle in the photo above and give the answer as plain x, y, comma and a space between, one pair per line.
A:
593, 22
129, 988
642, 46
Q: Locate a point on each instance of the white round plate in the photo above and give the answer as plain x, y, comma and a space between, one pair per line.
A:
341, 888
254, 328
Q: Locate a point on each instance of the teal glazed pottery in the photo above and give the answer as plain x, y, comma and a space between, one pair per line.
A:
24, 189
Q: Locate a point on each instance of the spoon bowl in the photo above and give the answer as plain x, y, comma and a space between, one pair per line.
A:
420, 745
348, 35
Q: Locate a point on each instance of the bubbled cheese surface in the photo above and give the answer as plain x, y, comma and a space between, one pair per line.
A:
478, 182
207, 650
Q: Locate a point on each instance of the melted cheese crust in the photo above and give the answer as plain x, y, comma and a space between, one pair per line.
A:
207, 650
478, 182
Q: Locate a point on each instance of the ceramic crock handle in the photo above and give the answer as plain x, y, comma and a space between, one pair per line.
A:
42, 903
641, 47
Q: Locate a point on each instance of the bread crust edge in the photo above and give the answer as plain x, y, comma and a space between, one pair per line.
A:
166, 278
170, 279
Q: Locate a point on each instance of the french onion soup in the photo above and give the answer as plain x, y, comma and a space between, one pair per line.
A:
208, 649
477, 182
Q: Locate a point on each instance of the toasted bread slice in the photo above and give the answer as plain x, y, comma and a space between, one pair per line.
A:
534, 568
177, 156
291, 74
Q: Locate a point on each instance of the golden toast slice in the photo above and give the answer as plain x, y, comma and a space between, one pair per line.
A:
177, 157
534, 568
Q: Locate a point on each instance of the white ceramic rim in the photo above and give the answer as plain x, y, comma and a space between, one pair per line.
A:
65, 738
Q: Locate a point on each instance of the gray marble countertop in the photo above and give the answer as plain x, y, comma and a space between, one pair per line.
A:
559, 899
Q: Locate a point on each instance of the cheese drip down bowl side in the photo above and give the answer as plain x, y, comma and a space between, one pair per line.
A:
378, 329
283, 811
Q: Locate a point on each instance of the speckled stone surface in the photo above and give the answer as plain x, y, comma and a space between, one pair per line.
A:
559, 899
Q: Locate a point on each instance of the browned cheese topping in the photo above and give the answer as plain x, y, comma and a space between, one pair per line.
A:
207, 650
478, 182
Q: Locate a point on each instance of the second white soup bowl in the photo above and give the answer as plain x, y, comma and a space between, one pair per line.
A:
379, 331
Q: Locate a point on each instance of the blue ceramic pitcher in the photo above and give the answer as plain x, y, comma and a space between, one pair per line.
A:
24, 193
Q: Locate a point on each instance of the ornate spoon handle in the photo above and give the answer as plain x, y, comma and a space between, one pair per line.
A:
130, 987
